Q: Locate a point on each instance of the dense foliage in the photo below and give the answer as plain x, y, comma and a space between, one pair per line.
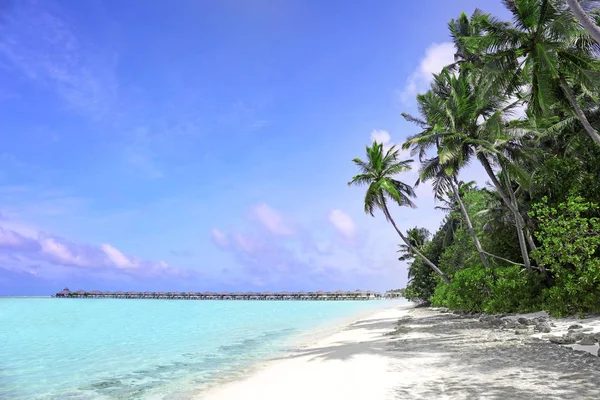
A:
531, 239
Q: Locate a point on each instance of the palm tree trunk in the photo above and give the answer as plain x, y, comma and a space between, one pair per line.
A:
507, 200
580, 115
427, 261
518, 222
469, 225
585, 19
513, 207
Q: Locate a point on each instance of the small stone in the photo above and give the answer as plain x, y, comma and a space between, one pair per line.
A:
576, 335
543, 327
524, 321
512, 324
588, 340
497, 322
521, 331
575, 326
562, 339
596, 336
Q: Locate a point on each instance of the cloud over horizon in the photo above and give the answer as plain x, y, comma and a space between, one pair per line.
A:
47, 251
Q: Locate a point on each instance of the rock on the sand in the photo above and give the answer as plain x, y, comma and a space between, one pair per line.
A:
521, 331
588, 340
562, 339
575, 326
525, 321
576, 335
543, 327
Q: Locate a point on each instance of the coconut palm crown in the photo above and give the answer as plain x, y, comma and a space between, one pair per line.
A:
377, 173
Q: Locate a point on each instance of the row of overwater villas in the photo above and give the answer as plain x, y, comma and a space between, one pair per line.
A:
319, 295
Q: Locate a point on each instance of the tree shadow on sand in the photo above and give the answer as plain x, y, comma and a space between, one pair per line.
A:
444, 356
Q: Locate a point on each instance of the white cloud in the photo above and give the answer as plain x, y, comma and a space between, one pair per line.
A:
380, 136
343, 223
271, 220
383, 137
437, 56
61, 252
246, 243
117, 258
219, 238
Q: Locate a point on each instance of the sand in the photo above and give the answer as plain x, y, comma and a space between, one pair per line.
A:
419, 353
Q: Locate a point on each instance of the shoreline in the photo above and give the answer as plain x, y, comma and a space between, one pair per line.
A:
296, 343
422, 353
302, 345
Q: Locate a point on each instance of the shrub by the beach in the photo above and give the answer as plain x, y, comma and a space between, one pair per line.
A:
467, 292
514, 290
570, 249
474, 289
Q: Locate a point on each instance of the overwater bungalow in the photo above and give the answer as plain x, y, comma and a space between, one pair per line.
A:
318, 295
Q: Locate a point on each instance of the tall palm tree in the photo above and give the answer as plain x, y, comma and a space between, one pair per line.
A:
463, 119
554, 55
584, 19
378, 174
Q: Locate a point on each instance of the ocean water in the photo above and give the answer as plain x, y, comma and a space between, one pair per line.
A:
80, 349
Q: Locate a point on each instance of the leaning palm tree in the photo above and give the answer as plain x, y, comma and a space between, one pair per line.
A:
378, 174
584, 19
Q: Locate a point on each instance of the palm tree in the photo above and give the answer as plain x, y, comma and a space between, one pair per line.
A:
417, 237
463, 119
584, 19
554, 55
378, 174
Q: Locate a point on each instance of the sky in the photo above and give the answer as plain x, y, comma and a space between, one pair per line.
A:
207, 146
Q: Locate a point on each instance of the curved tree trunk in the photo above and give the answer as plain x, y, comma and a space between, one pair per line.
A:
584, 19
513, 207
469, 225
427, 261
580, 115
519, 223
507, 200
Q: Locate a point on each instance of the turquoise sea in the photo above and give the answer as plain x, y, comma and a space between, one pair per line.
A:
144, 349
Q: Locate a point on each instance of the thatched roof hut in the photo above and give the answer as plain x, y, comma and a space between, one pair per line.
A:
80, 292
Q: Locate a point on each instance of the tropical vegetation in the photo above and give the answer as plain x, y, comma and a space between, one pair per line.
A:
520, 101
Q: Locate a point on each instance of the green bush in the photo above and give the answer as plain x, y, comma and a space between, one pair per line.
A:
467, 291
474, 289
514, 290
570, 247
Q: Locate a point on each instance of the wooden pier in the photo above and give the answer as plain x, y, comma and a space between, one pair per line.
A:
308, 296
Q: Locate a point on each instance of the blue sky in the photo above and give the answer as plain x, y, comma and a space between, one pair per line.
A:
207, 145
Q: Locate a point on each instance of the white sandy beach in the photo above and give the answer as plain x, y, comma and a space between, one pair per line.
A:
349, 364
407, 353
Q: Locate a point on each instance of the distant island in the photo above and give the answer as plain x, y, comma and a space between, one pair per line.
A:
318, 295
